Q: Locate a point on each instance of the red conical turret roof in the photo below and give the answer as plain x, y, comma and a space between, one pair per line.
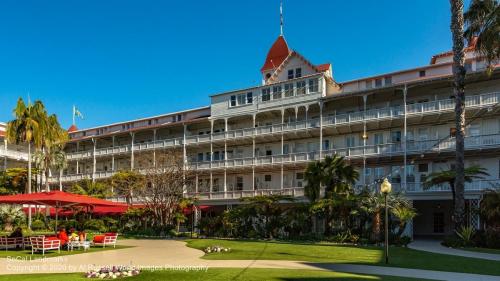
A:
72, 129
277, 54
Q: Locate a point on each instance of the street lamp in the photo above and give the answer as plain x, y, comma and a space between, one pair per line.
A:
385, 188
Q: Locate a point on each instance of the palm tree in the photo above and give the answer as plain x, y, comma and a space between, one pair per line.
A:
483, 22
338, 175
10, 215
404, 214
313, 177
27, 128
490, 208
91, 188
458, 68
449, 177
59, 163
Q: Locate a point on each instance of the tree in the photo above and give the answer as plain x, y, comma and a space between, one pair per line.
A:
458, 69
313, 177
269, 211
449, 177
88, 187
13, 180
482, 20
490, 208
404, 214
127, 183
166, 181
26, 127
11, 215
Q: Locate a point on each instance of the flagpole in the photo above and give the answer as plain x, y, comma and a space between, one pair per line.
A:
73, 115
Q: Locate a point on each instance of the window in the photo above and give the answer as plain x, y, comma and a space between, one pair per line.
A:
207, 156
298, 72
269, 152
200, 157
368, 172
267, 178
242, 99
395, 174
301, 88
286, 148
268, 75
277, 92
266, 94
410, 173
378, 138
438, 222
349, 141
249, 98
217, 156
396, 136
313, 85
368, 84
388, 80
379, 172
289, 90
423, 168
239, 183
290, 74
378, 82
326, 144
233, 101
299, 176
421, 73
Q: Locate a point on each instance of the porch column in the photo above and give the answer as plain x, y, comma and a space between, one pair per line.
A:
154, 148
282, 144
253, 154
320, 130
405, 89
94, 141
77, 162
113, 154
365, 137
196, 183
132, 151
225, 156
184, 157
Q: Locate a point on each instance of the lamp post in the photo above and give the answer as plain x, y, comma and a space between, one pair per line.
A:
385, 188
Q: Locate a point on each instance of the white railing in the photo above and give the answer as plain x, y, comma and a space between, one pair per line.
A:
238, 194
13, 154
390, 149
477, 185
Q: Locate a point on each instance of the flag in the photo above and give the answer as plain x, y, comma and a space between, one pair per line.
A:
78, 113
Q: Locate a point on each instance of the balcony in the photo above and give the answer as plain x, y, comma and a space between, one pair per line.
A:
13, 154
477, 185
294, 192
389, 149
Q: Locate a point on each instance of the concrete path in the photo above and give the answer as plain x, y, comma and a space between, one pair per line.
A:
172, 254
435, 246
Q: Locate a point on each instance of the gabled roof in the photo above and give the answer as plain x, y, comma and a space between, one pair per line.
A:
277, 54
72, 129
285, 62
470, 47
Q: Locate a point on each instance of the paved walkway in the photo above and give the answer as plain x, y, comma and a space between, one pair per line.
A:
435, 246
163, 254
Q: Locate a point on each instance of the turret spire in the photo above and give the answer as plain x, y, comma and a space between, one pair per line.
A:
281, 17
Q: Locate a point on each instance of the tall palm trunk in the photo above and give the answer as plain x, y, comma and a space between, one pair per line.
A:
29, 183
457, 30
377, 221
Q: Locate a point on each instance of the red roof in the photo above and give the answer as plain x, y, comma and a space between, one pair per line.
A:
470, 47
277, 54
72, 129
323, 67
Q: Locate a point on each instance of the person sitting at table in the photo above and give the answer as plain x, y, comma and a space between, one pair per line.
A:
63, 236
82, 236
73, 236
18, 232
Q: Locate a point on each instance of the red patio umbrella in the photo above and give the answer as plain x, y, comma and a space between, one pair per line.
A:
56, 199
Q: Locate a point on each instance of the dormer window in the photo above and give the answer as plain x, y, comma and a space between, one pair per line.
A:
233, 101
266, 94
268, 75
298, 72
421, 73
290, 74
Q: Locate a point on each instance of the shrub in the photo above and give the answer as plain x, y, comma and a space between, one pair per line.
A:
466, 234
402, 241
38, 225
452, 241
95, 225
492, 236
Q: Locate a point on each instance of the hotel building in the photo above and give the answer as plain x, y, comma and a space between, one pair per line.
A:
258, 140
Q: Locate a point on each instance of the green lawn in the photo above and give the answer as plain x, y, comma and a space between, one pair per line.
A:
20, 253
215, 274
482, 250
329, 253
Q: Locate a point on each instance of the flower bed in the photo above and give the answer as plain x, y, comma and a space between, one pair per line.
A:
216, 249
113, 272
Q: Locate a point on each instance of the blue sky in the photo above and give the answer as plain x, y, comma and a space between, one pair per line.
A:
118, 60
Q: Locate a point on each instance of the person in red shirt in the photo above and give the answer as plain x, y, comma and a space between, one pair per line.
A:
63, 236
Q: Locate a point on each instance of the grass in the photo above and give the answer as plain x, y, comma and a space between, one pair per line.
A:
330, 253
216, 274
482, 250
20, 253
